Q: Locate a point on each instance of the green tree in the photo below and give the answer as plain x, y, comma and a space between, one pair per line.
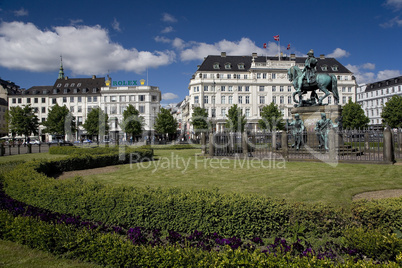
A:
353, 116
199, 119
392, 112
23, 121
96, 122
165, 123
59, 121
132, 123
271, 118
236, 120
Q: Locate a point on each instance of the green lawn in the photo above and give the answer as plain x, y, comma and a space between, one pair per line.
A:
294, 181
27, 157
16, 255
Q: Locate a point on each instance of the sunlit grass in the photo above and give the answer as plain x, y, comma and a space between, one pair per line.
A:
295, 181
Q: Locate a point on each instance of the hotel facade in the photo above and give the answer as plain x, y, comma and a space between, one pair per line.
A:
254, 81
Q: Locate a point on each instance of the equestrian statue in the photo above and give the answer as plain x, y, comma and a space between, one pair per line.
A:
308, 80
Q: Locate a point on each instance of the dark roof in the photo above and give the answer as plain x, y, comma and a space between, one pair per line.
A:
68, 86
208, 63
384, 83
11, 87
3, 102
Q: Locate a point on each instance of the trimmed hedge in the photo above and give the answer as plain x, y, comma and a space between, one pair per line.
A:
113, 250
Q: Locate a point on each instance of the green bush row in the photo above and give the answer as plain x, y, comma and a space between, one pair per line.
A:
70, 150
115, 251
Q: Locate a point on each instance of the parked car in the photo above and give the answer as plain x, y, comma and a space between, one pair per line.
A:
87, 141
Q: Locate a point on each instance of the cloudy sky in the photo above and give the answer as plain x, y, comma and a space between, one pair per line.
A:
164, 41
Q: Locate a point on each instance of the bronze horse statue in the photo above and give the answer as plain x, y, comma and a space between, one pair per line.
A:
324, 82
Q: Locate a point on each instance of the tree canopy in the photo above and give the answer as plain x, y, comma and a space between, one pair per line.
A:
165, 123
199, 119
132, 123
59, 121
96, 122
23, 121
271, 118
392, 112
236, 120
353, 116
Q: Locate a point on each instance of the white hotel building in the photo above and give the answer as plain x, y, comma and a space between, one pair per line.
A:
81, 95
254, 81
372, 97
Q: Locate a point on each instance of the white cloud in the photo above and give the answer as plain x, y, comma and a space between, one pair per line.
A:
86, 50
116, 25
392, 22
169, 96
368, 66
369, 77
76, 21
166, 17
168, 29
21, 12
394, 3
339, 53
245, 46
383, 75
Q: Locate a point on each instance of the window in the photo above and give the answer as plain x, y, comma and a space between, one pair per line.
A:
213, 99
329, 100
64, 99
113, 109
213, 112
247, 99
14, 100
122, 108
79, 109
240, 66
262, 99
223, 112
289, 88
223, 88
196, 99
89, 99
75, 90
79, 120
59, 85
273, 88
141, 97
54, 101
281, 100
43, 110
71, 99
230, 100
205, 88
122, 98
154, 98
289, 99
141, 109
258, 75
65, 91
28, 100
113, 99
79, 99
273, 76
324, 67
223, 99
335, 68
79, 85
228, 65
43, 100
344, 89
206, 99
71, 109
261, 88
230, 88
344, 99
247, 112
239, 88
240, 99
95, 98
216, 65
55, 91
94, 90
264, 75
245, 76
229, 76
274, 99
247, 88
72, 84
19, 100
132, 98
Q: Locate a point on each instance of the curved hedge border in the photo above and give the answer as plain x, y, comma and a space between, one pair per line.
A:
238, 215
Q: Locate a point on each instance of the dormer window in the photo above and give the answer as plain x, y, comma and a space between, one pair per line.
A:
65, 91
216, 65
58, 85
55, 91
228, 66
79, 85
335, 68
72, 85
94, 90
240, 66
44, 91
324, 68
75, 90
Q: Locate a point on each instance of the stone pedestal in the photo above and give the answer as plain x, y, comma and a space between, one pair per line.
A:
310, 116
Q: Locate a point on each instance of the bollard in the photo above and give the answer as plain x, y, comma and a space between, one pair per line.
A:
203, 143
18, 146
2, 149
245, 144
211, 145
332, 145
284, 143
388, 151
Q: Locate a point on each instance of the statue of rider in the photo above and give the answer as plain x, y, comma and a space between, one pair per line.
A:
310, 67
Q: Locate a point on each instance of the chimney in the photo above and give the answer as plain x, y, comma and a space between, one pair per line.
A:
223, 54
66, 78
94, 76
292, 56
322, 56
254, 55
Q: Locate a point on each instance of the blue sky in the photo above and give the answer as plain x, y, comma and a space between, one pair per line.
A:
166, 40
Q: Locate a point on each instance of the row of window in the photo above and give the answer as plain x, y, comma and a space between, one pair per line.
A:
242, 88
257, 76
380, 92
89, 99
